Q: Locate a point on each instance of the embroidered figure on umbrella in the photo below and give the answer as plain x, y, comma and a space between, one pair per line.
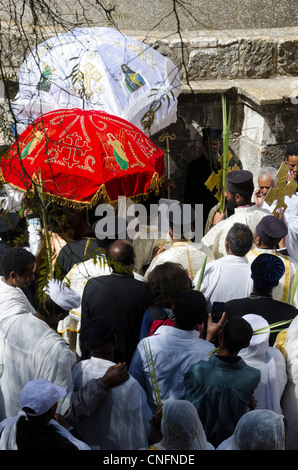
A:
119, 154
44, 83
133, 80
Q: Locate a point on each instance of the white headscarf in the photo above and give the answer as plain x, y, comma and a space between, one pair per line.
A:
270, 363
259, 342
181, 427
257, 430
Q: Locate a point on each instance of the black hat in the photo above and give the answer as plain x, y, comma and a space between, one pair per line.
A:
267, 270
97, 332
212, 133
240, 181
271, 230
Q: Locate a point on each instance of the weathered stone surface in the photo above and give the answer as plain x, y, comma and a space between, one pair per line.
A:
214, 63
287, 57
257, 58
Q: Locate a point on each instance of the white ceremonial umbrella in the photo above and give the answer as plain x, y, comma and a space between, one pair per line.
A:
98, 69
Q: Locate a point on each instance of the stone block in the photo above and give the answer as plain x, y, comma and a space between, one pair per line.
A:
257, 58
287, 58
214, 63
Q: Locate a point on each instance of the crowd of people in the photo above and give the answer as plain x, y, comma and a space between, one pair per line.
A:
192, 348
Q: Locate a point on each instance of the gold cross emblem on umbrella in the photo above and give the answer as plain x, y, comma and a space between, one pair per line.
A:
284, 188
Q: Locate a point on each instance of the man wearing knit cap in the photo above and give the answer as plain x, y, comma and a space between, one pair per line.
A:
37, 425
266, 271
31, 348
123, 423
267, 236
238, 193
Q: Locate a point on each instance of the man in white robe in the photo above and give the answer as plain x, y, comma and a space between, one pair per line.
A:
31, 348
39, 398
239, 189
268, 233
123, 422
229, 277
18, 266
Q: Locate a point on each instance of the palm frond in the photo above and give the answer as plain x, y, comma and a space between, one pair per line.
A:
201, 276
226, 123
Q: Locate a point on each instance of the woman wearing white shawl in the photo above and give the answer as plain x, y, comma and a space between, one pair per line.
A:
257, 430
180, 427
269, 361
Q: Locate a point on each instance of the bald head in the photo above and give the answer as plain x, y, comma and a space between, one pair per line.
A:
121, 256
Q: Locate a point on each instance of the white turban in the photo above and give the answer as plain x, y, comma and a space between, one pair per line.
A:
259, 342
62, 295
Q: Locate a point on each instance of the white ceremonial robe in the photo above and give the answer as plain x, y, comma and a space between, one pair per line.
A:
31, 350
225, 279
8, 430
13, 301
282, 291
291, 219
190, 256
216, 236
123, 422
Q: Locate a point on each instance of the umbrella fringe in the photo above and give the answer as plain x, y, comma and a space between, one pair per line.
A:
101, 195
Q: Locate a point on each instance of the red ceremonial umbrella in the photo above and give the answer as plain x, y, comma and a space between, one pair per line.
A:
83, 158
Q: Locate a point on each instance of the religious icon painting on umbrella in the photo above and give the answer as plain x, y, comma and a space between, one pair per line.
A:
118, 151
38, 136
45, 83
133, 80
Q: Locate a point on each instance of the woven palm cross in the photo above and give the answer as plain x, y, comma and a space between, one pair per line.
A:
215, 179
284, 188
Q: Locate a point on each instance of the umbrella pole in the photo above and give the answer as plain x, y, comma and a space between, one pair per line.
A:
167, 137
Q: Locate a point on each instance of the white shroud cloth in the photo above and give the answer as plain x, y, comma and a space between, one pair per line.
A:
270, 362
123, 422
13, 301
29, 350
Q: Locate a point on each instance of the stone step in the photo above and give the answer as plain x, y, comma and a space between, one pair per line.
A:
270, 91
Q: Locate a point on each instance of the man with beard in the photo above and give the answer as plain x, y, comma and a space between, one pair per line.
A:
199, 170
238, 194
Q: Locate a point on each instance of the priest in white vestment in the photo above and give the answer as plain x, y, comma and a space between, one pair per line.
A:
239, 189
